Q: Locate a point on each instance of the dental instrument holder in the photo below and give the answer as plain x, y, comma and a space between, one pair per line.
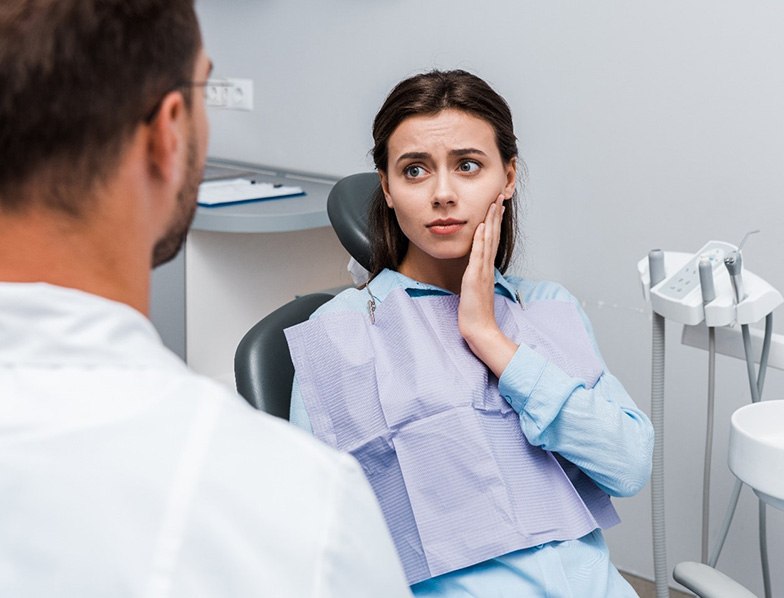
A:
708, 286
679, 297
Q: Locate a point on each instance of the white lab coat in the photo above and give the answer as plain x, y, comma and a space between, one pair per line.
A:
122, 473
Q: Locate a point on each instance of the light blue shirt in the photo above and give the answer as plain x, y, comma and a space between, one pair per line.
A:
599, 429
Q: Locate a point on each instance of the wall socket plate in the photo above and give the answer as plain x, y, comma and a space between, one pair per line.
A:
230, 94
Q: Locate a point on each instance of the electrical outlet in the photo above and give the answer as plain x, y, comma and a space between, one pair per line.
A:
240, 94
217, 93
231, 94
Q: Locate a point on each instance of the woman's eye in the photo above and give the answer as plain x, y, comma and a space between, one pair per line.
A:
414, 171
468, 166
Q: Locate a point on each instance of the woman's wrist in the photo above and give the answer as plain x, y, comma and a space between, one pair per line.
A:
493, 348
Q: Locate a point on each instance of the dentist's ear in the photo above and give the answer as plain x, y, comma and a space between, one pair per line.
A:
166, 138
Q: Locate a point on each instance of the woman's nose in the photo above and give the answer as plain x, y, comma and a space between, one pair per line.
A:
444, 192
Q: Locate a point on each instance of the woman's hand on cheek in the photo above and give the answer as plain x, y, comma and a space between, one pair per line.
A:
476, 312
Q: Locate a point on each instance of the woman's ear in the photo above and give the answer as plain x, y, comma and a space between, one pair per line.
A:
385, 188
511, 179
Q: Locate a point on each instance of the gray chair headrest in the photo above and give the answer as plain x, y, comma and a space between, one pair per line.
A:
348, 205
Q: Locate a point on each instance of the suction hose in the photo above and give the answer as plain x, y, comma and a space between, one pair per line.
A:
708, 291
661, 574
708, 442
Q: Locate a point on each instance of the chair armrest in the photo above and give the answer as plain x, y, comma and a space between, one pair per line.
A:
707, 582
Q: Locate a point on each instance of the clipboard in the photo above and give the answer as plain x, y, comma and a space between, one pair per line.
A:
225, 192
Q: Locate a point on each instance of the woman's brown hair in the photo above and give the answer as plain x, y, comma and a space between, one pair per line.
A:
428, 94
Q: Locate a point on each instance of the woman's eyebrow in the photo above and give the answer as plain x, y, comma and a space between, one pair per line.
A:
413, 156
455, 152
466, 151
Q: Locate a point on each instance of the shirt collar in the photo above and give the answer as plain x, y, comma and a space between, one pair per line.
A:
47, 325
388, 280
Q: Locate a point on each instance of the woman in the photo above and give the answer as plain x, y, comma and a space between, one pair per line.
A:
478, 404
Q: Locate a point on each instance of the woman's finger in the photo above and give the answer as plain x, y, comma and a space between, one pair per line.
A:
497, 235
478, 246
493, 233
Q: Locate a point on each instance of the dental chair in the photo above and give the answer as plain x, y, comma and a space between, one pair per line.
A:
707, 582
348, 206
262, 366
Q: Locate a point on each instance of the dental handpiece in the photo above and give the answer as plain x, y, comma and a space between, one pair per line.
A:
656, 266
706, 281
734, 263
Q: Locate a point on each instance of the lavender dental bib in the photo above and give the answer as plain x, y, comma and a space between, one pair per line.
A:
457, 481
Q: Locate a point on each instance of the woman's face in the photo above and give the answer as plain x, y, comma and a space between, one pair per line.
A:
443, 173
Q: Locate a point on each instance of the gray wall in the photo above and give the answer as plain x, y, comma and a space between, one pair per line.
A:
642, 124
167, 303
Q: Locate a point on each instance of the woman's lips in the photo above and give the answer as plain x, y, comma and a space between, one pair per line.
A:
445, 227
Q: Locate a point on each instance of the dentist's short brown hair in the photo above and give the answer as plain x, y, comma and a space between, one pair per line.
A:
76, 79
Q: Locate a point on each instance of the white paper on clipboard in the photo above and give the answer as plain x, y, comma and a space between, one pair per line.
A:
227, 191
